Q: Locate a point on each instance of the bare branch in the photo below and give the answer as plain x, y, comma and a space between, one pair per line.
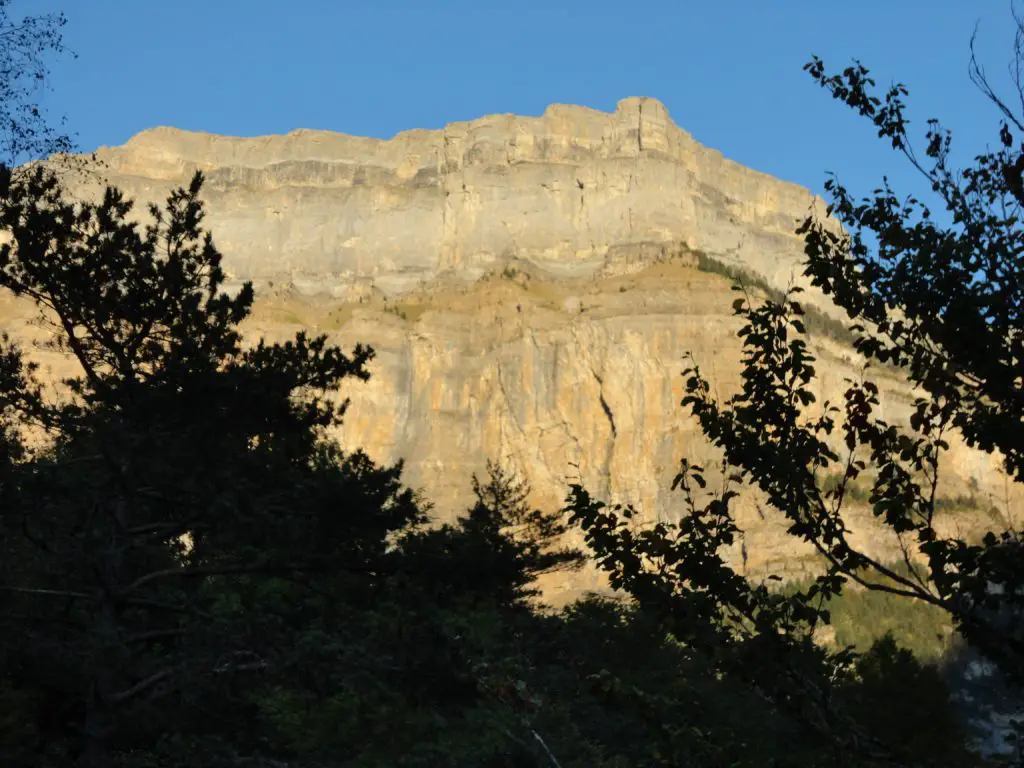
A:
155, 634
49, 592
142, 686
194, 572
547, 750
980, 79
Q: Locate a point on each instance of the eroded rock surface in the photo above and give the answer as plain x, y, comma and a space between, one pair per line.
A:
575, 192
530, 285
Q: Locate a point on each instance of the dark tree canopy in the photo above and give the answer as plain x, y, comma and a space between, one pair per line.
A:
936, 298
176, 456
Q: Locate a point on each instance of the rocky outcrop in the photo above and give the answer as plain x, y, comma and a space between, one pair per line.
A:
566, 191
530, 285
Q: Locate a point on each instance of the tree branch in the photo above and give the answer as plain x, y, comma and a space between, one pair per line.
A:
141, 686
194, 572
155, 634
49, 592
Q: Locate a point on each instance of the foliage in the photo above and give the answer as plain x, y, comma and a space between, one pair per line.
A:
502, 544
859, 617
904, 702
956, 333
25, 45
815, 321
177, 458
940, 303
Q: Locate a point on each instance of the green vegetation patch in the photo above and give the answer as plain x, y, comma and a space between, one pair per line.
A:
816, 322
861, 617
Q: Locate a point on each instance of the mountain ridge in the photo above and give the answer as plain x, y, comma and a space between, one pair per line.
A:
530, 285
560, 190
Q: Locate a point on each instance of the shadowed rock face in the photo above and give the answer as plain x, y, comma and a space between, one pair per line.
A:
530, 285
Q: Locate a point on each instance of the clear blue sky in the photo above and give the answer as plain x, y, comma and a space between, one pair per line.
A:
729, 72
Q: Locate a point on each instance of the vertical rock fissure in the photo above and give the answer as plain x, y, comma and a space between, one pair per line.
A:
610, 453
445, 187
640, 127
636, 160
560, 421
513, 416
604, 403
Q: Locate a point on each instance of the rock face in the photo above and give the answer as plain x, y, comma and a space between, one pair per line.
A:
574, 192
530, 285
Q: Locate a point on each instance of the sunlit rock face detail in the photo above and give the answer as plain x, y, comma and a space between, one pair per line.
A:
575, 192
531, 286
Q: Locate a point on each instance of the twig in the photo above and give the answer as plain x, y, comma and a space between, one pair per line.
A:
50, 592
141, 686
551, 756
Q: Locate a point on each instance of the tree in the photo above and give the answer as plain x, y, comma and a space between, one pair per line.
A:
502, 545
938, 298
25, 45
177, 463
449, 663
435, 666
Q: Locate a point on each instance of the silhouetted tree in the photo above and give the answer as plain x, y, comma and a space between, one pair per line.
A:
177, 460
501, 545
26, 44
937, 298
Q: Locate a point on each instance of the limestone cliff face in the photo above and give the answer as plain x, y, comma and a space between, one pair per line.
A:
530, 286
333, 213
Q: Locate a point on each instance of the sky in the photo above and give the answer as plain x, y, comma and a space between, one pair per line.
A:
729, 71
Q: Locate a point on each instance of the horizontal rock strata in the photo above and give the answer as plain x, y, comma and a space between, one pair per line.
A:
530, 284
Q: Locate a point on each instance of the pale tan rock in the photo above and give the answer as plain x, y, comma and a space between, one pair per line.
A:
530, 286
565, 192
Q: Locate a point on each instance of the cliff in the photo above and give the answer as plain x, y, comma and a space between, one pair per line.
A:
530, 285
567, 191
